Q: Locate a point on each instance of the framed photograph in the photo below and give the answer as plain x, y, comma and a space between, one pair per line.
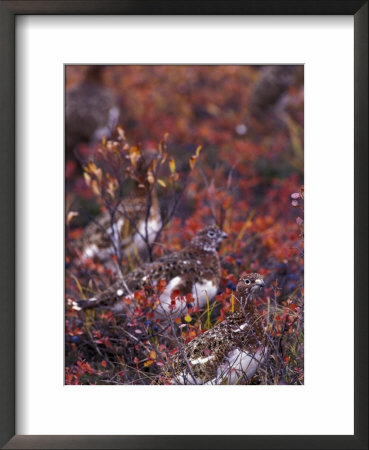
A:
184, 241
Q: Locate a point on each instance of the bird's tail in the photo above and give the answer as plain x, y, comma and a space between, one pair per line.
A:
106, 299
79, 305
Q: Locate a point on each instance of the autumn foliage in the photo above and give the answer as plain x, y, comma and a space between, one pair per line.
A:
209, 157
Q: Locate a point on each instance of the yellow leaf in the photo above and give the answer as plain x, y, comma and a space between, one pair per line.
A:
172, 165
188, 318
121, 132
148, 363
95, 187
99, 174
91, 167
193, 158
134, 154
193, 161
152, 354
199, 148
150, 177
87, 178
71, 216
112, 187
162, 183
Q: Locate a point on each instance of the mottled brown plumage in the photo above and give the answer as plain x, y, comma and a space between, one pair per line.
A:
230, 351
195, 269
131, 227
125, 234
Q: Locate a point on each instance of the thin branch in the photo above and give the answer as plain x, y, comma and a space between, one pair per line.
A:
181, 350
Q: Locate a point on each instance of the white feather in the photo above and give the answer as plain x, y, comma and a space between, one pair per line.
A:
237, 365
200, 290
163, 308
153, 226
240, 328
90, 251
201, 360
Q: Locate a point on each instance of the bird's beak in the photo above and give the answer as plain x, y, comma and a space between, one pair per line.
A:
260, 282
224, 235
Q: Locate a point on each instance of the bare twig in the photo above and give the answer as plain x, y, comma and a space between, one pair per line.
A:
181, 350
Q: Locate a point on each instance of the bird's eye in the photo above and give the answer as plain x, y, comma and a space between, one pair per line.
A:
211, 233
247, 281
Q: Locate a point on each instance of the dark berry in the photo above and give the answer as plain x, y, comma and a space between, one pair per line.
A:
231, 285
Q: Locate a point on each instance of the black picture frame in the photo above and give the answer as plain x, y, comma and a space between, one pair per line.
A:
8, 12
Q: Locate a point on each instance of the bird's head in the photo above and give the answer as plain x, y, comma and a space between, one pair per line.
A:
249, 283
209, 238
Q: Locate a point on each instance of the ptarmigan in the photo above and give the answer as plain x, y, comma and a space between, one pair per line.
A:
133, 226
193, 270
126, 235
232, 350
